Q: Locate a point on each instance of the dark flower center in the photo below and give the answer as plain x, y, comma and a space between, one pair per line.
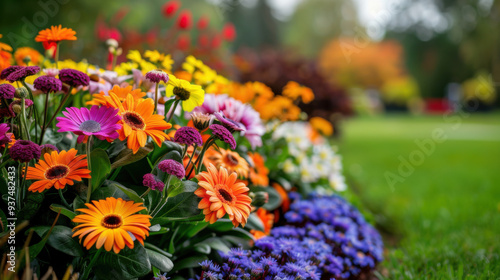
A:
90, 126
57, 172
226, 195
134, 120
232, 160
182, 93
112, 221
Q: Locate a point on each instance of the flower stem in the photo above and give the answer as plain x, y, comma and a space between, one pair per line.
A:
34, 108
63, 200
23, 119
91, 264
89, 147
173, 110
156, 97
145, 193
210, 141
63, 101
57, 55
46, 115
190, 158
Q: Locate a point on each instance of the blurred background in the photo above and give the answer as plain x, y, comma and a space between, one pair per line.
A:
410, 85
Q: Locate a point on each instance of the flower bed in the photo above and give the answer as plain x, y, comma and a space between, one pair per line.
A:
151, 169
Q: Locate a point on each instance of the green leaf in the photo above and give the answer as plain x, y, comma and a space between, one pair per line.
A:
130, 193
127, 156
128, 264
254, 222
182, 187
189, 262
33, 203
167, 220
166, 147
182, 205
222, 225
202, 248
159, 261
68, 213
100, 167
78, 203
61, 240
108, 189
217, 244
158, 250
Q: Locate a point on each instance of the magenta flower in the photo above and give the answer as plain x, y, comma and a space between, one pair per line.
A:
237, 112
223, 134
4, 135
101, 122
172, 167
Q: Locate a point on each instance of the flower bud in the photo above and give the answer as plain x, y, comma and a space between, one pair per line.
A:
16, 108
259, 198
21, 93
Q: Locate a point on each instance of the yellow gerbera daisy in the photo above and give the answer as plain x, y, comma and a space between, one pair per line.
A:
111, 223
190, 95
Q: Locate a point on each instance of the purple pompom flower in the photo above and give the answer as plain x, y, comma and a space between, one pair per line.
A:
74, 78
7, 91
24, 151
223, 134
48, 148
188, 135
4, 136
231, 125
99, 121
172, 167
47, 84
9, 70
149, 180
156, 76
22, 73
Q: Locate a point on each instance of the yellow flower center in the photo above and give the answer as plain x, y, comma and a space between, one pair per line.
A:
57, 172
182, 93
134, 120
112, 221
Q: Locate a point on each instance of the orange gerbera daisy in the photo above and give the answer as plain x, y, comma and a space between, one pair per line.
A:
111, 223
259, 172
24, 52
267, 219
221, 194
121, 92
139, 122
54, 35
57, 169
230, 160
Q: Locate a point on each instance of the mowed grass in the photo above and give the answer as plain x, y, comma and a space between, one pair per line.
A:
442, 221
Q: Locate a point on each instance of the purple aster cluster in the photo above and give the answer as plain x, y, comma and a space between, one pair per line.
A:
188, 136
9, 70
7, 91
172, 167
47, 84
223, 134
24, 151
238, 113
48, 148
157, 76
149, 180
325, 238
74, 78
19, 74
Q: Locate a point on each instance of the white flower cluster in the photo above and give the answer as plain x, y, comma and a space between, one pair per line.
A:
312, 160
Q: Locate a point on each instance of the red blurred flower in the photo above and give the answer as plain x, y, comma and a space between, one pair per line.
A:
216, 41
114, 33
184, 20
203, 40
170, 8
183, 42
229, 32
203, 22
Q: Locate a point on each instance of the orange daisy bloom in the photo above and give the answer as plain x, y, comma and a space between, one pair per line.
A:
294, 91
22, 53
139, 122
259, 172
268, 221
321, 126
230, 160
5, 58
54, 35
121, 92
111, 223
222, 195
57, 169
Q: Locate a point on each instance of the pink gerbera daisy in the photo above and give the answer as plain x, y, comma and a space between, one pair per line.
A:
102, 122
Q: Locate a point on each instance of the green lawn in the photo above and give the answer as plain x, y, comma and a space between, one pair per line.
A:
441, 221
